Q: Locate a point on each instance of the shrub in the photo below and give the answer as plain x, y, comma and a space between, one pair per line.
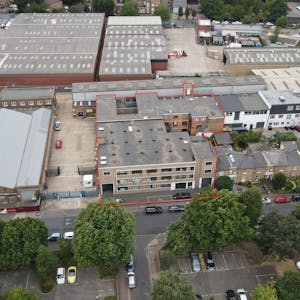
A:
167, 259
47, 285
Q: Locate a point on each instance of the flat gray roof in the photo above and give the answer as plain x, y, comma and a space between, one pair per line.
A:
264, 56
281, 97
252, 102
202, 147
242, 28
143, 142
130, 45
231, 103
14, 93
166, 83
22, 146
50, 43
223, 138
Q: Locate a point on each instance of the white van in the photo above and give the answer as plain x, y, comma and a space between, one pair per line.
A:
131, 280
68, 235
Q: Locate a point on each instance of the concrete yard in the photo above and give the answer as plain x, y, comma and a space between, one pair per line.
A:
196, 60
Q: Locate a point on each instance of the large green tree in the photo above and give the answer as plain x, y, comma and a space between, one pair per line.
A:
279, 181
104, 6
163, 11
252, 198
224, 183
130, 8
265, 292
288, 286
213, 9
209, 224
279, 235
21, 239
296, 212
103, 237
20, 293
170, 286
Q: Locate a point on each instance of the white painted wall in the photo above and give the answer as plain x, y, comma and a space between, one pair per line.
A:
287, 120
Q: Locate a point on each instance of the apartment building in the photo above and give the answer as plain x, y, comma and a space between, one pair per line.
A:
284, 108
258, 162
28, 97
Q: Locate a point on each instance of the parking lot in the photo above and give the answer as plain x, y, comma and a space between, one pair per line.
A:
232, 272
78, 147
196, 60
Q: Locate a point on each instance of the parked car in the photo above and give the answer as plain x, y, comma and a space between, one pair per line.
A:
54, 236
130, 264
60, 276
298, 265
198, 297
57, 125
153, 210
68, 235
58, 144
176, 208
183, 195
72, 274
230, 295
195, 262
210, 265
296, 197
241, 294
297, 128
282, 199
266, 200
131, 280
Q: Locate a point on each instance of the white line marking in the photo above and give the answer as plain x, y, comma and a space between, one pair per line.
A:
226, 266
27, 280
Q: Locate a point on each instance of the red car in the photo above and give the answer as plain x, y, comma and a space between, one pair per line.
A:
58, 144
282, 199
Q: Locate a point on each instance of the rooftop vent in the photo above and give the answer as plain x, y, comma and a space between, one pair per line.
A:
130, 129
100, 128
103, 162
103, 157
191, 99
281, 98
185, 142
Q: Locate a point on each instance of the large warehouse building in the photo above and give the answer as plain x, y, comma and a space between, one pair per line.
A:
51, 49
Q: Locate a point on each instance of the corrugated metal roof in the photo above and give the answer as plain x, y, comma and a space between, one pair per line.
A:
134, 20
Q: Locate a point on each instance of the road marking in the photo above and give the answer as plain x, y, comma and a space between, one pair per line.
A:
225, 263
271, 277
27, 280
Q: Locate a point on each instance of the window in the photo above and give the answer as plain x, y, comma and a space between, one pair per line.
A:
180, 176
192, 168
272, 117
22, 103
167, 124
208, 163
136, 187
152, 171
196, 119
48, 102
124, 180
31, 103
229, 114
122, 173
151, 186
13, 103
40, 102
175, 116
166, 170
166, 177
184, 123
280, 116
297, 107
296, 115
290, 107
180, 169
106, 173
153, 178
136, 180
4, 104
136, 171
175, 123
165, 185
123, 188
237, 115
207, 171
288, 116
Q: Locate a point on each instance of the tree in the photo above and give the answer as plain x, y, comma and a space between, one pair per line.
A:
279, 181
187, 12
163, 12
65, 253
252, 198
224, 182
296, 212
130, 8
209, 224
180, 11
170, 286
167, 259
288, 286
282, 22
194, 13
34, 7
278, 235
276, 9
45, 263
213, 9
265, 292
104, 6
21, 239
2, 225
20, 293
103, 237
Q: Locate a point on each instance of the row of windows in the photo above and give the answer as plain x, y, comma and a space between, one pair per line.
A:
149, 186
23, 103
176, 123
291, 107
141, 179
256, 112
150, 171
86, 103
289, 116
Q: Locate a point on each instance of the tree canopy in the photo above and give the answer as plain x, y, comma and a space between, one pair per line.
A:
252, 198
224, 183
265, 292
163, 11
288, 286
209, 224
103, 237
104, 6
20, 293
130, 8
20, 241
170, 286
279, 235
279, 181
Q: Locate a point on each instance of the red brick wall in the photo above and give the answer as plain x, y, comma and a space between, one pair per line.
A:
159, 66
119, 77
45, 79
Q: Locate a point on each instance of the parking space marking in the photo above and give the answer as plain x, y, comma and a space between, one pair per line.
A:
225, 263
184, 265
267, 277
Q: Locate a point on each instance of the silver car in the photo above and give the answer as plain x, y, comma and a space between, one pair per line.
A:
195, 262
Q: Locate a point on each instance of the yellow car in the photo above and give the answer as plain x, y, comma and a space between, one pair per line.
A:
72, 274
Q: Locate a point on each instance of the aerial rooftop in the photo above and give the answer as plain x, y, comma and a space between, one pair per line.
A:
50, 43
281, 97
14, 93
